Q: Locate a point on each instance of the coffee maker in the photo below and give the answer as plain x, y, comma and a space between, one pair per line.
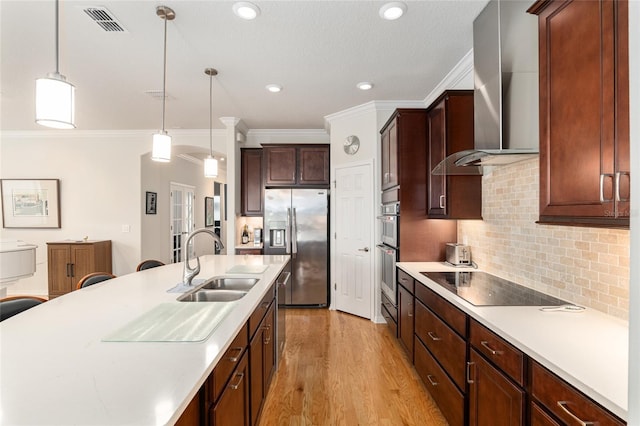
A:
257, 236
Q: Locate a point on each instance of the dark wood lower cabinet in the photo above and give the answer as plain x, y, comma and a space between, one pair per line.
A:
494, 400
449, 399
262, 362
233, 406
540, 418
405, 320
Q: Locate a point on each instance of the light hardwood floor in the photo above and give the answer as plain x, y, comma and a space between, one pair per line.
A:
339, 369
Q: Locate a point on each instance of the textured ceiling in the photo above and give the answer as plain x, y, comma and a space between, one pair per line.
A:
317, 50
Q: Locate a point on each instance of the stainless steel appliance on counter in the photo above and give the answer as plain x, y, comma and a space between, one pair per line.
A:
458, 254
296, 223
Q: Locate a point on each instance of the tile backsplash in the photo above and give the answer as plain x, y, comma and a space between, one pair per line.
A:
586, 266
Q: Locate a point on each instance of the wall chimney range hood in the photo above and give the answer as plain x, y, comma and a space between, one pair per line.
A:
505, 62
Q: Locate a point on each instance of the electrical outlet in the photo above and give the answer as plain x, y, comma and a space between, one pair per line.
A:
126, 228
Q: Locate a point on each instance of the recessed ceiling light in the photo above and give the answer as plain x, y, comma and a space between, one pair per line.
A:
274, 88
246, 10
393, 10
364, 85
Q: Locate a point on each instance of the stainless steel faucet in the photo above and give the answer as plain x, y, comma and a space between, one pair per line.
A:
189, 273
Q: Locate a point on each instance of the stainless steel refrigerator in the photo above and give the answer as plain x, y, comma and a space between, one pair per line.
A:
296, 223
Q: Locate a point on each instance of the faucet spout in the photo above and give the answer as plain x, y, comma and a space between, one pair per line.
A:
189, 273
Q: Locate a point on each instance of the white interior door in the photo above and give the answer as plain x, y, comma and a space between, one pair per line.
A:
354, 254
181, 217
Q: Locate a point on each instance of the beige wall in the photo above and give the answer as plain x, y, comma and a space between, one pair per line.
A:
587, 266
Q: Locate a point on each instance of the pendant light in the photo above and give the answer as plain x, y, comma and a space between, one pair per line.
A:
210, 163
162, 141
55, 104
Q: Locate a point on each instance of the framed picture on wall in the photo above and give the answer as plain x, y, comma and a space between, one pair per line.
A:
208, 211
30, 203
152, 203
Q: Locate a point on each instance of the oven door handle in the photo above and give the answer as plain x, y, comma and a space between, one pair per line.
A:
386, 249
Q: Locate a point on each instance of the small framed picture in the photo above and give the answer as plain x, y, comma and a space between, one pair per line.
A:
208, 211
30, 203
152, 202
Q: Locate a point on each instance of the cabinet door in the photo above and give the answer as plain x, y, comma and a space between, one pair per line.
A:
251, 186
384, 159
256, 370
280, 165
581, 64
313, 166
437, 152
83, 261
269, 348
59, 267
233, 406
493, 399
406, 325
390, 156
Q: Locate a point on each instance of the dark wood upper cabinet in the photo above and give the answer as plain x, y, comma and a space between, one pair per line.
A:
313, 165
252, 185
450, 130
404, 179
296, 165
584, 112
280, 165
390, 155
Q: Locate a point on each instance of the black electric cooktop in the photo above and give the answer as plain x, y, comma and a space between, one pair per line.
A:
482, 289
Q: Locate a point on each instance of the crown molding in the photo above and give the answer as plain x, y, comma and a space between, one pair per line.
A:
455, 76
369, 108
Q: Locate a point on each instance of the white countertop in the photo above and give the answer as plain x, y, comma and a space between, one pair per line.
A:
55, 369
589, 349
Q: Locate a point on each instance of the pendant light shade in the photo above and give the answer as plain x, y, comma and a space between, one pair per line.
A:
161, 150
55, 102
210, 163
55, 96
161, 147
210, 167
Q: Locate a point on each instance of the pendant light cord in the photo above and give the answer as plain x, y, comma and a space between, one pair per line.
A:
57, 38
210, 115
164, 76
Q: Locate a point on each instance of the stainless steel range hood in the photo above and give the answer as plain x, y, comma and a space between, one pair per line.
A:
505, 62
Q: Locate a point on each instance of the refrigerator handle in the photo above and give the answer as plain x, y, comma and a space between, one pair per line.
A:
294, 233
287, 233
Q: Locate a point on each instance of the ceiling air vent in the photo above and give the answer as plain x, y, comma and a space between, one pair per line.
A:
105, 19
157, 94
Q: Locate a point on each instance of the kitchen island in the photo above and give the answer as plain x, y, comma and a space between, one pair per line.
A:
588, 349
60, 363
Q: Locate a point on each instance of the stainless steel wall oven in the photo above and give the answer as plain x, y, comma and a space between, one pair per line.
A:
390, 226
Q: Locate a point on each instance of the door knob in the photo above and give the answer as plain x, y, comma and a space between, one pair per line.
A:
366, 249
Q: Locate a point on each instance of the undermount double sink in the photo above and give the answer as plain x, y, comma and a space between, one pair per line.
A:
220, 289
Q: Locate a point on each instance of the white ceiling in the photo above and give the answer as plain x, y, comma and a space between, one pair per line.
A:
317, 50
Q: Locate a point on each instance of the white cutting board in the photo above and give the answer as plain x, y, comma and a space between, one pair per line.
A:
247, 269
174, 322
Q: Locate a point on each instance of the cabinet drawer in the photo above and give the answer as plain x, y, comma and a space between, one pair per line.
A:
228, 363
406, 280
449, 399
540, 418
258, 314
446, 346
565, 402
505, 356
453, 316
391, 308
